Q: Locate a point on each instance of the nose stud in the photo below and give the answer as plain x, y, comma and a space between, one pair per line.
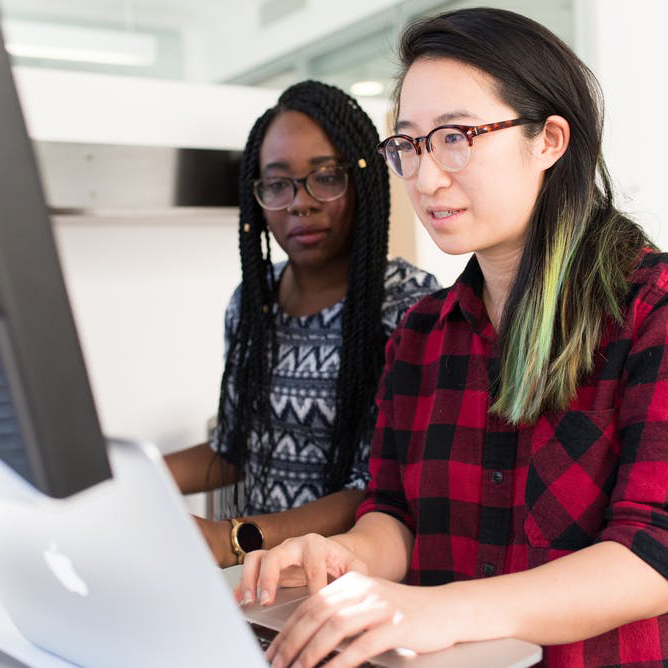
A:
301, 212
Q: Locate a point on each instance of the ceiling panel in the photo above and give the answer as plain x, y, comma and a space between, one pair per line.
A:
264, 42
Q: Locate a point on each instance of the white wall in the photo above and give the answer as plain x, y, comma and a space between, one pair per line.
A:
148, 296
625, 45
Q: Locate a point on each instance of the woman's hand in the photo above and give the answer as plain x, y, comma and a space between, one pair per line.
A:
308, 560
377, 614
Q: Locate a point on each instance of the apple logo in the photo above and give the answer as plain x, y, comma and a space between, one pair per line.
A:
61, 566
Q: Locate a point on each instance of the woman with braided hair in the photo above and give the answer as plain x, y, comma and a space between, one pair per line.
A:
305, 338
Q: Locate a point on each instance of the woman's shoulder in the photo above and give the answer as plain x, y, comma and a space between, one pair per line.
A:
234, 304
401, 275
405, 285
649, 279
652, 264
233, 308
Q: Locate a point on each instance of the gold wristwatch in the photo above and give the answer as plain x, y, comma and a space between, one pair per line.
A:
245, 536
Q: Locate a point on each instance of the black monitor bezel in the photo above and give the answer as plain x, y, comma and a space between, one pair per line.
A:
46, 373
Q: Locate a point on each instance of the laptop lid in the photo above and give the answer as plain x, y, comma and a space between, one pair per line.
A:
119, 574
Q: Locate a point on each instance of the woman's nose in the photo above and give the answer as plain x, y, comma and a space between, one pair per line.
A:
303, 197
430, 177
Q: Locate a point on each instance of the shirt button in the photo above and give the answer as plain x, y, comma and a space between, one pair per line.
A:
488, 569
497, 476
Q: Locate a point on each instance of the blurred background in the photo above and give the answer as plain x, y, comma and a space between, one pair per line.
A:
139, 109
269, 43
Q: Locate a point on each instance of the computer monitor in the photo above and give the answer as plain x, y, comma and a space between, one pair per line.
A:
49, 428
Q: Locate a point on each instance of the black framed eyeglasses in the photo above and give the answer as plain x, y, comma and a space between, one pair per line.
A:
448, 145
324, 184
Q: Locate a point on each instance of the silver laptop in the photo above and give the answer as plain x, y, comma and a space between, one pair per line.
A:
118, 575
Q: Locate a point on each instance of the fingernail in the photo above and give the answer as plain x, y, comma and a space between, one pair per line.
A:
277, 662
297, 664
248, 598
264, 597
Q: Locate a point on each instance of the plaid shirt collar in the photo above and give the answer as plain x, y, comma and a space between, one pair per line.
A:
465, 298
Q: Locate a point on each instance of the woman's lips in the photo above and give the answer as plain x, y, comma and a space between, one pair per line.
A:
308, 235
443, 217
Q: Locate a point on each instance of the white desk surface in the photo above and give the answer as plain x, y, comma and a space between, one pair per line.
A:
17, 652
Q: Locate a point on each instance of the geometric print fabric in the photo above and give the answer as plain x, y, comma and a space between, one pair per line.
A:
303, 393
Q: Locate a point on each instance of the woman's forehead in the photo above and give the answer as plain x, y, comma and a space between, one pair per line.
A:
444, 90
295, 136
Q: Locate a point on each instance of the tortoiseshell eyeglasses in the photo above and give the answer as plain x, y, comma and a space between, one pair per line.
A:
448, 145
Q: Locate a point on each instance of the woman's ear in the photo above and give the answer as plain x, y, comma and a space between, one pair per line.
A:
552, 141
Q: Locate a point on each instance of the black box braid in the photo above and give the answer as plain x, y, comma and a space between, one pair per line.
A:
252, 353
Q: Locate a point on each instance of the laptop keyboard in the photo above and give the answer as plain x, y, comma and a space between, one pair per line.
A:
265, 635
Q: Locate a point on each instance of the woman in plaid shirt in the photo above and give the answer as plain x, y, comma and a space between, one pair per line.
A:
520, 458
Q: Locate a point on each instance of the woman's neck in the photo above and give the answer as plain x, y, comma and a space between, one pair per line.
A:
305, 290
499, 271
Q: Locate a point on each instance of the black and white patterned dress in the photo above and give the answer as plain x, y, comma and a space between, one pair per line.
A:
303, 393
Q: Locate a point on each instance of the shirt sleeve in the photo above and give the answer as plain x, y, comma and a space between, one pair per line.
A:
385, 492
637, 515
221, 437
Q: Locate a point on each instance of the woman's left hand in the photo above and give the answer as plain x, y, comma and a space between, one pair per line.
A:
378, 615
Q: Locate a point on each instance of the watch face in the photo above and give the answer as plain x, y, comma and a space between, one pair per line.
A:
249, 537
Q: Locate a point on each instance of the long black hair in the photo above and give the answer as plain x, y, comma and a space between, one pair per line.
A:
574, 271
246, 379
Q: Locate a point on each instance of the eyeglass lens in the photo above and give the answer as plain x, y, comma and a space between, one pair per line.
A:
449, 147
323, 184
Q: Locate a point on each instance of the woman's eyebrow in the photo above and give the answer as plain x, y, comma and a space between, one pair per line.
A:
462, 114
275, 165
442, 119
403, 125
316, 160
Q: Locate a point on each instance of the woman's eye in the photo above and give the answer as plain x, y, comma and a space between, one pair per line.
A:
402, 146
453, 138
277, 186
328, 178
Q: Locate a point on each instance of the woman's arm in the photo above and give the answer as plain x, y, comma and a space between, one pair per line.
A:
378, 544
574, 597
578, 596
383, 543
331, 514
200, 469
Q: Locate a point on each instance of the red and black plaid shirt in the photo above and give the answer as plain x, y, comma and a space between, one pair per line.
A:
484, 497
